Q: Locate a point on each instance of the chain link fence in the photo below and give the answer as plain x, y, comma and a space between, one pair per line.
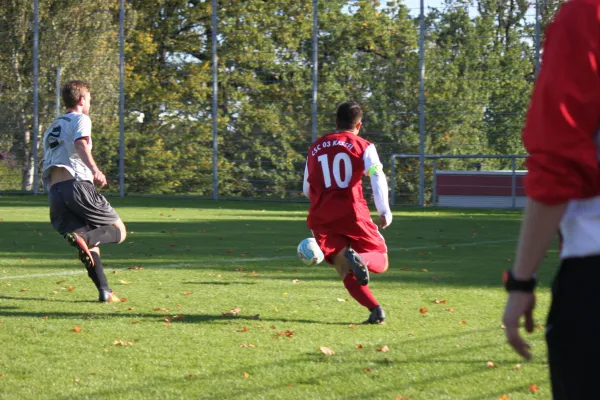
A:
221, 99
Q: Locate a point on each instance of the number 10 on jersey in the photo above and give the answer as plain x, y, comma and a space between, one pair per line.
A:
340, 158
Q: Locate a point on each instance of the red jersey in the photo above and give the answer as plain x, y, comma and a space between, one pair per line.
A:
561, 132
335, 165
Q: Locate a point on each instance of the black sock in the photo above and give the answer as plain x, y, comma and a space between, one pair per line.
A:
102, 235
97, 273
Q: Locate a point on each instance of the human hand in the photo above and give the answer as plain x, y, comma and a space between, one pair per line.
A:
99, 178
383, 222
518, 304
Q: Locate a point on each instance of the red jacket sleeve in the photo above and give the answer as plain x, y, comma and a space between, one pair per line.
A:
564, 114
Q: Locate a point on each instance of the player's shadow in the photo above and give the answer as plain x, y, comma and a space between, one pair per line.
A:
219, 283
187, 318
4, 297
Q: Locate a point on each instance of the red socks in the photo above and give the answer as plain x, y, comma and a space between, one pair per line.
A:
375, 261
362, 294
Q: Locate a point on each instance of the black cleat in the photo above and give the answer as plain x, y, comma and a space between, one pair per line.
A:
358, 266
82, 248
377, 316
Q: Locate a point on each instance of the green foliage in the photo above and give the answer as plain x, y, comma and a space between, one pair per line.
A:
479, 70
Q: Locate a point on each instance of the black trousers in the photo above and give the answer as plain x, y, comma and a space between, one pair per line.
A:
573, 330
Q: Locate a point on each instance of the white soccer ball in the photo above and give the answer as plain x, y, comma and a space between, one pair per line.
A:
309, 252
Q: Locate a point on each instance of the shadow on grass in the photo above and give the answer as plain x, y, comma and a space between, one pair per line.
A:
4, 297
159, 316
219, 283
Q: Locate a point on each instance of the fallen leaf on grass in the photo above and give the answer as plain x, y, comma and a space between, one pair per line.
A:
367, 370
451, 309
342, 300
188, 376
162, 309
134, 322
59, 282
296, 281
71, 289
173, 244
326, 350
178, 305
352, 326
136, 268
44, 317
240, 270
125, 282
423, 310
77, 329
24, 290
517, 367
463, 322
123, 300
229, 251
434, 278
424, 270
359, 346
122, 343
247, 345
246, 375
504, 397
76, 380
490, 364
533, 388
244, 329
252, 274
399, 397
131, 308
383, 349
539, 326
287, 333
186, 293
115, 272
233, 312
1, 375
436, 301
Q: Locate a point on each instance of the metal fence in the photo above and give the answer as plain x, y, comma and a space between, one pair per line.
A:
221, 99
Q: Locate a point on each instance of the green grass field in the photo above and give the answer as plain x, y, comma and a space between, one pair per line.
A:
198, 260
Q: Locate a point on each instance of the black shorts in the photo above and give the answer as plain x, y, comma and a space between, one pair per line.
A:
573, 330
77, 204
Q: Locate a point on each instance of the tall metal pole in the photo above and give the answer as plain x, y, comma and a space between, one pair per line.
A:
122, 98
422, 105
35, 129
57, 91
315, 69
215, 104
537, 37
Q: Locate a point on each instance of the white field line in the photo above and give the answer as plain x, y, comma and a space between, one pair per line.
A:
257, 259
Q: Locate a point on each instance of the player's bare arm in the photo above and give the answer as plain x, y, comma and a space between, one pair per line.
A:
538, 229
84, 152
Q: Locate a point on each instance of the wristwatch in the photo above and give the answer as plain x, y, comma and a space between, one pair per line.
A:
512, 284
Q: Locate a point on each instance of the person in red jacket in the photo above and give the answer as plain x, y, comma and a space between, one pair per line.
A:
563, 189
339, 216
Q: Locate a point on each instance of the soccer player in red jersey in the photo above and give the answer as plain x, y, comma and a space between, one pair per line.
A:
561, 135
339, 216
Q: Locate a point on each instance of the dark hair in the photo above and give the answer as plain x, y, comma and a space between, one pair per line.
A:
72, 91
348, 115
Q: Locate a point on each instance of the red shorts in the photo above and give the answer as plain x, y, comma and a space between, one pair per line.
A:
362, 236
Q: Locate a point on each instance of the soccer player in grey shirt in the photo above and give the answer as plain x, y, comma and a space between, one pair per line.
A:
77, 210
